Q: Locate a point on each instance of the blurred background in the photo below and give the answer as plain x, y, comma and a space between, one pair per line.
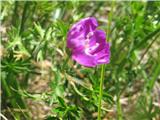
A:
40, 81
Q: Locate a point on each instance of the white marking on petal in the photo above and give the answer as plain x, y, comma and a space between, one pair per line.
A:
79, 27
102, 60
72, 33
88, 49
94, 47
90, 34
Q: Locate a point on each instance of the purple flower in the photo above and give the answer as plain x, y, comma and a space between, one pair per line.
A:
88, 45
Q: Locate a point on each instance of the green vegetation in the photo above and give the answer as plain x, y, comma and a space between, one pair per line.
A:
39, 80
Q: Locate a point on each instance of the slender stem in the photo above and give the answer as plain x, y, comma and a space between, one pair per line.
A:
103, 66
119, 109
118, 104
23, 19
101, 91
8, 94
15, 14
109, 20
147, 49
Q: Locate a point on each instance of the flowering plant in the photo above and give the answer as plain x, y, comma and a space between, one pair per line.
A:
88, 44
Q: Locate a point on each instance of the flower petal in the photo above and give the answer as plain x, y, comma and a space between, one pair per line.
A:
78, 32
98, 41
103, 56
83, 59
99, 36
89, 46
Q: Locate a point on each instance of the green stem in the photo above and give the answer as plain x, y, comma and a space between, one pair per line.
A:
103, 66
15, 14
8, 94
109, 20
118, 104
147, 49
119, 109
101, 91
155, 75
23, 19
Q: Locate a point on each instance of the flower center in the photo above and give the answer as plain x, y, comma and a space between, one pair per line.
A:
89, 35
90, 48
87, 40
